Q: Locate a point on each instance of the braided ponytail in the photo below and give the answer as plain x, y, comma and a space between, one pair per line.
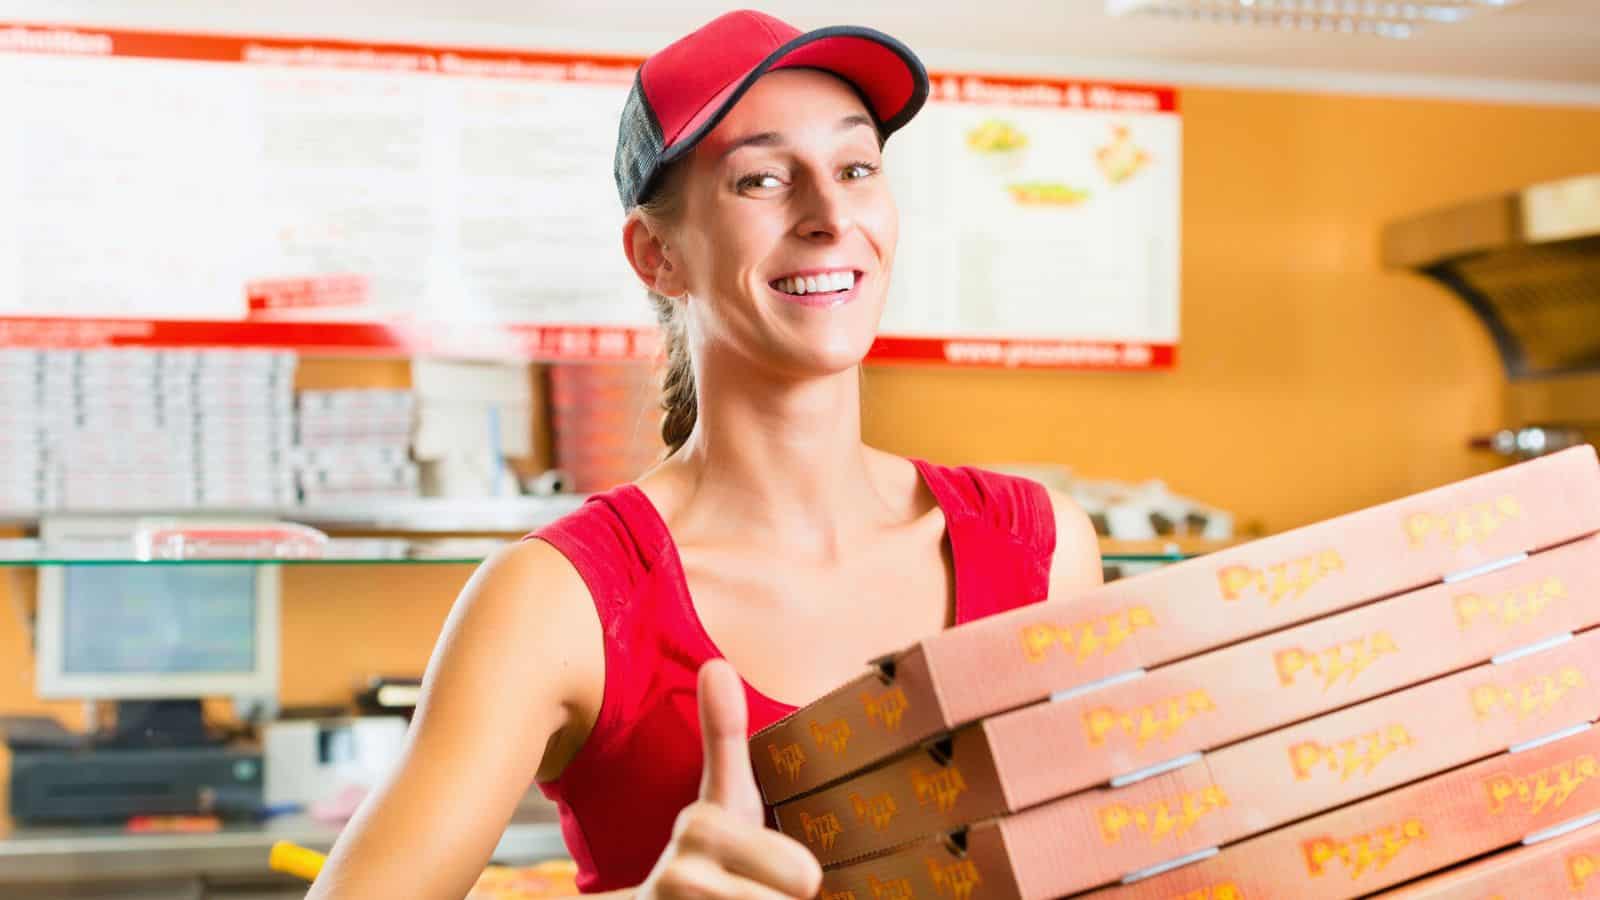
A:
677, 383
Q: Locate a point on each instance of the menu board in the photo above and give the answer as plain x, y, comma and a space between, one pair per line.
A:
161, 189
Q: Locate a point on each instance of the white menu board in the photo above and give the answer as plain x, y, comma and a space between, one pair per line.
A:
175, 189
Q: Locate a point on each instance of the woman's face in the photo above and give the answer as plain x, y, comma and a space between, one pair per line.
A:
788, 228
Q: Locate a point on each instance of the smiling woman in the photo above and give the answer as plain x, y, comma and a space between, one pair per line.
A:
794, 220
622, 655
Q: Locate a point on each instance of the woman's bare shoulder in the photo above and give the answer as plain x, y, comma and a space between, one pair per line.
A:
529, 577
527, 613
531, 587
530, 559
1075, 566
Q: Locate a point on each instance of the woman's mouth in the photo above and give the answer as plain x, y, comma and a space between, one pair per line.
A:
824, 288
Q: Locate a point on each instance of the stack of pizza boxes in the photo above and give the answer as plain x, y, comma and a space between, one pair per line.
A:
1335, 711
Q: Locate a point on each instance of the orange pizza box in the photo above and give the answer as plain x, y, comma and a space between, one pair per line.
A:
1398, 836
1567, 866
1026, 655
1348, 852
1295, 772
1019, 759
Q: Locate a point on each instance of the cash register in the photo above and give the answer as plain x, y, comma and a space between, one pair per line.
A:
154, 638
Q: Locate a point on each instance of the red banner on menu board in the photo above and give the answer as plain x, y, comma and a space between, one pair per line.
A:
556, 343
335, 196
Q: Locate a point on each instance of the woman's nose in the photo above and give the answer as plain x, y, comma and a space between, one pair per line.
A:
825, 211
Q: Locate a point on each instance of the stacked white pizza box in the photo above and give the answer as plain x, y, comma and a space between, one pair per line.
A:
133, 429
355, 445
24, 456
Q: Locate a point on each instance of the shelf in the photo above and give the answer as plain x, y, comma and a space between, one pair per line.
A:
24, 552
66, 854
420, 515
427, 516
1143, 557
1167, 548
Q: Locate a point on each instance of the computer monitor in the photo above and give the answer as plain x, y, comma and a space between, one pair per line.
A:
151, 631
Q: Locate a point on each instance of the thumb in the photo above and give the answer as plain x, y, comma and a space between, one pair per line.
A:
727, 779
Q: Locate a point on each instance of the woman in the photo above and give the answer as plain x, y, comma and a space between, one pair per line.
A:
749, 162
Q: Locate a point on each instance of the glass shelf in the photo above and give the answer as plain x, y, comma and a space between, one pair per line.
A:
419, 515
508, 517
1145, 557
23, 552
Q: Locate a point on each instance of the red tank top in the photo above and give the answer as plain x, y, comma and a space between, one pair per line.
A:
640, 766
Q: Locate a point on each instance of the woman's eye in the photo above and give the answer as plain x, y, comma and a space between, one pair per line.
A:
760, 180
857, 171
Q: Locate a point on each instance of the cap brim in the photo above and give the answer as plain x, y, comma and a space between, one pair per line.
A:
887, 75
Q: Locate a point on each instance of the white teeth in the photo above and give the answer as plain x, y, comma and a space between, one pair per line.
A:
827, 282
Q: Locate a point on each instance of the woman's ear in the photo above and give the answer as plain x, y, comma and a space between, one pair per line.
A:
651, 258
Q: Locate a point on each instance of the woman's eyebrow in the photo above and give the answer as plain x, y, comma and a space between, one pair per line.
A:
776, 139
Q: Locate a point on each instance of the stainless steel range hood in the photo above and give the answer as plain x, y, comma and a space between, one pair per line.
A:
1527, 262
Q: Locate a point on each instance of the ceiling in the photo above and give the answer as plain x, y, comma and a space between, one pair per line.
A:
1535, 50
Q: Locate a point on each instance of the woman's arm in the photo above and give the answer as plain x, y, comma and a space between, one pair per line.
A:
1075, 567
519, 659
520, 664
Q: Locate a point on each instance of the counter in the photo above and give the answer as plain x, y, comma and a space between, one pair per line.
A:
57, 856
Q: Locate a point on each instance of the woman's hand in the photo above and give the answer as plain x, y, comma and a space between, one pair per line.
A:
719, 848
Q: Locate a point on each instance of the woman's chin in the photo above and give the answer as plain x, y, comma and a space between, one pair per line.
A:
830, 354
833, 341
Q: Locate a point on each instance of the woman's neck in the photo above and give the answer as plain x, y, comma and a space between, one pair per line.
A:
781, 464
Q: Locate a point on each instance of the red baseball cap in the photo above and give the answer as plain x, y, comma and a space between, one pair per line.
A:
684, 90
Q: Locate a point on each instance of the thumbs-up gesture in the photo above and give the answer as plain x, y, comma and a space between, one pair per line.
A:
719, 848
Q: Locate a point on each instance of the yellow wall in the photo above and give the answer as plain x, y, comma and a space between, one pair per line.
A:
1310, 381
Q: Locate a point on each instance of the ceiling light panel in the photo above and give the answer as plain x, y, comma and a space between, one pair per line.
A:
1381, 18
